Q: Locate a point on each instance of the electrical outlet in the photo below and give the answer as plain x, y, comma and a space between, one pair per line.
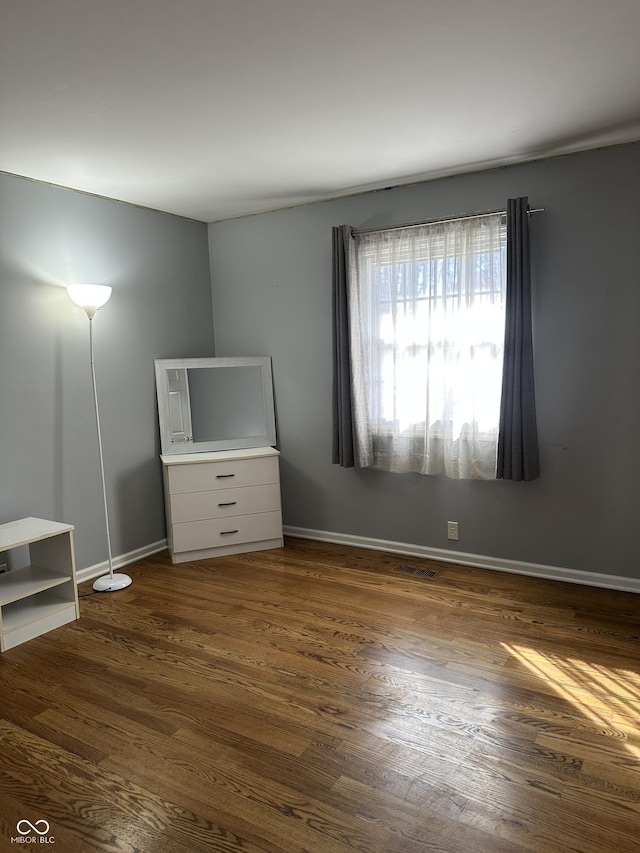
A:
452, 530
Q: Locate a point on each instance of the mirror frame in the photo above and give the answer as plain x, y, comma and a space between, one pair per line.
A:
162, 365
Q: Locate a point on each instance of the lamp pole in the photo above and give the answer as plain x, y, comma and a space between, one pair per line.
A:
91, 298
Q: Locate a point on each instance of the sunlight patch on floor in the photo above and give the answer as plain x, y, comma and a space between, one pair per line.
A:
606, 696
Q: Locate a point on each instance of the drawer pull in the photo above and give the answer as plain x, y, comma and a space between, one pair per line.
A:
228, 503
227, 532
224, 476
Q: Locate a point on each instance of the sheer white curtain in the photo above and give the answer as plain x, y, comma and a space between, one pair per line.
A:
427, 318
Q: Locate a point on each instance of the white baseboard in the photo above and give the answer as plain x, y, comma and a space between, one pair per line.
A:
556, 573
517, 567
91, 572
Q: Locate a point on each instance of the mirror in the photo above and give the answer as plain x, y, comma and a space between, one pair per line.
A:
215, 404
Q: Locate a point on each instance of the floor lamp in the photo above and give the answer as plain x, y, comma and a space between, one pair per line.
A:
91, 297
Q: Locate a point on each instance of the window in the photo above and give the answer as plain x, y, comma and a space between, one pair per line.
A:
427, 320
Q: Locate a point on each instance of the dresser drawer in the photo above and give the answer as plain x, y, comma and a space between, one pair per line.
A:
231, 473
221, 503
220, 532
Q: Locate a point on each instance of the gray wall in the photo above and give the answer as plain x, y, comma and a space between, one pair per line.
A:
271, 279
158, 267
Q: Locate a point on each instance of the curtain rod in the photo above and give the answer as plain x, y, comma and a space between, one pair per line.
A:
450, 219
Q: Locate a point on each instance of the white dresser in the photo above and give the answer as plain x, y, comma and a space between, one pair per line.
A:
222, 502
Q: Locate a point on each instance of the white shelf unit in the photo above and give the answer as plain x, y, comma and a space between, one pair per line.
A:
43, 595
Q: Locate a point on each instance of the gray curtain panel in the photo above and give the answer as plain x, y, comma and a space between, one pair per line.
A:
518, 457
343, 453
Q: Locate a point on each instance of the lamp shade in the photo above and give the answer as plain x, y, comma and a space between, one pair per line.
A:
89, 296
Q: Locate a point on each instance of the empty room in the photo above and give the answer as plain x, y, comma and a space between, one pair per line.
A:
318, 441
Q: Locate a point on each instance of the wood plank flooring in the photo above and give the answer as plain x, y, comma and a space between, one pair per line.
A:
311, 699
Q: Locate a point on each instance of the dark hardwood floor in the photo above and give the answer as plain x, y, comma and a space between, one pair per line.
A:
313, 699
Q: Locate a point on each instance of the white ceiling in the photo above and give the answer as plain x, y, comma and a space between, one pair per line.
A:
218, 108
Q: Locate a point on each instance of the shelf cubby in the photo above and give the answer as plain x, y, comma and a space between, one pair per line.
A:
42, 595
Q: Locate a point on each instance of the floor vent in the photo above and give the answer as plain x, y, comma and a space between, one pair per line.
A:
411, 570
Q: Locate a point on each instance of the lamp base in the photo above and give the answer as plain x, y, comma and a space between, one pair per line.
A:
110, 583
